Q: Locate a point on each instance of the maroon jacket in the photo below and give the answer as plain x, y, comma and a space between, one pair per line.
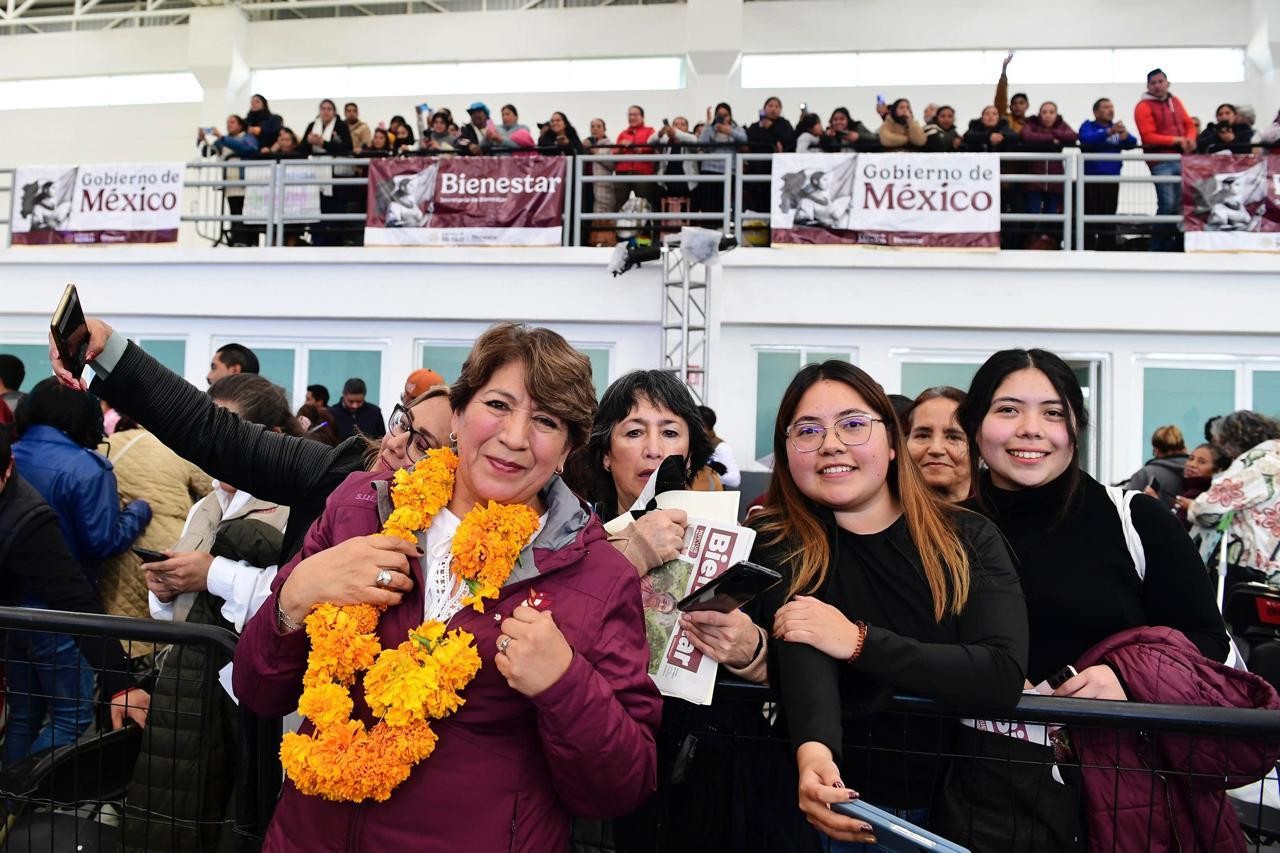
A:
1050, 140
1137, 795
508, 770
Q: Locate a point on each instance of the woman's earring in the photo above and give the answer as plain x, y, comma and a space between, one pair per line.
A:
453, 440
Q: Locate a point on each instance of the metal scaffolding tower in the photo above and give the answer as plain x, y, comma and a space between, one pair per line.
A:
686, 346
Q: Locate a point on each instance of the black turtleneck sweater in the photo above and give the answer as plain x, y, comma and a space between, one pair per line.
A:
975, 659
1079, 580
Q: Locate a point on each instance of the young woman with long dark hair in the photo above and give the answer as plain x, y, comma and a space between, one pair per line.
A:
886, 588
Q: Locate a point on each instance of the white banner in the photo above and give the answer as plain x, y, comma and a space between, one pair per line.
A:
131, 203
898, 199
298, 200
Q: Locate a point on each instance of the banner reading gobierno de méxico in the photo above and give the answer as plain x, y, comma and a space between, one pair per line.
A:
902, 199
126, 203
1231, 203
466, 201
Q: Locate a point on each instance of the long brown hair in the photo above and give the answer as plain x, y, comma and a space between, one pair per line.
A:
789, 518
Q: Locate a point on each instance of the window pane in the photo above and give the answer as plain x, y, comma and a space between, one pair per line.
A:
599, 368
332, 368
172, 354
774, 371
1183, 64
922, 68
919, 375
814, 357
1185, 397
35, 358
1057, 66
799, 70
445, 360
277, 365
1266, 392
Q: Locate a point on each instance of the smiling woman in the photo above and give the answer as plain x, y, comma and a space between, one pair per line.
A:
561, 718
887, 589
937, 443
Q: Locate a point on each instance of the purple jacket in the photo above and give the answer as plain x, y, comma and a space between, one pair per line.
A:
1050, 140
508, 770
1136, 791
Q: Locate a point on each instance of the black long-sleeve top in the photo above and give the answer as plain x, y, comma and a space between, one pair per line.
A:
1080, 583
299, 473
976, 659
34, 558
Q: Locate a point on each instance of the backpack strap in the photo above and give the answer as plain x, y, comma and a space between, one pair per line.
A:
1123, 500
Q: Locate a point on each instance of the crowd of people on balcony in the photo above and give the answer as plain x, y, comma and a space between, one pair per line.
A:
1162, 124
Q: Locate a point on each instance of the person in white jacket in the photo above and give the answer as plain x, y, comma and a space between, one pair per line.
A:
722, 453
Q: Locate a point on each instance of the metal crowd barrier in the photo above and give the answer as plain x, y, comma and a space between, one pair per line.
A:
203, 774
963, 774
344, 211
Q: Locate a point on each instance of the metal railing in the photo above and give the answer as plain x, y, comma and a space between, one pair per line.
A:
103, 786
969, 780
275, 186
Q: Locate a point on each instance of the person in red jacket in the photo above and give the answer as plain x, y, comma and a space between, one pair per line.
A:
632, 140
1165, 127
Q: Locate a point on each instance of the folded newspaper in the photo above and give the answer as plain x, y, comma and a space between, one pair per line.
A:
713, 542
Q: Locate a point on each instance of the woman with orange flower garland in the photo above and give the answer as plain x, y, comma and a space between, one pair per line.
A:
560, 717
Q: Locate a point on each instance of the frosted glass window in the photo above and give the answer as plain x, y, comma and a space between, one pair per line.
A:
445, 360
889, 69
277, 365
1266, 392
917, 68
1182, 64
179, 87
332, 368
35, 358
797, 70
1185, 397
172, 354
599, 368
452, 78
919, 375
774, 371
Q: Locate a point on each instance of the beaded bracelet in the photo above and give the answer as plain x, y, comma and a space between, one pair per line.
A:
862, 640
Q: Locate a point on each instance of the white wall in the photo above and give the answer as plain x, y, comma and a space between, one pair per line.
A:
220, 47
1121, 307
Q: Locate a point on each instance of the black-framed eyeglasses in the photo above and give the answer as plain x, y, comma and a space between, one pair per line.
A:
399, 422
852, 431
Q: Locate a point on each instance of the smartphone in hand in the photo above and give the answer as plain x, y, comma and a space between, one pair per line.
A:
70, 331
739, 584
149, 556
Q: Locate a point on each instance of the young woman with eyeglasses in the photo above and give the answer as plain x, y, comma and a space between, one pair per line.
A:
886, 589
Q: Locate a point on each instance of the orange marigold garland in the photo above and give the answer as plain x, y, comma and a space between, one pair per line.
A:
419, 680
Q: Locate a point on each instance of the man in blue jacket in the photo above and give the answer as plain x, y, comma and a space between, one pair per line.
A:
1103, 135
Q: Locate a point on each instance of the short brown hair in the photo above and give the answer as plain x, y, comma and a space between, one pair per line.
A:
556, 374
1168, 440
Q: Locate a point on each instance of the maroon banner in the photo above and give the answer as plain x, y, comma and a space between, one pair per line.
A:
466, 201
1231, 203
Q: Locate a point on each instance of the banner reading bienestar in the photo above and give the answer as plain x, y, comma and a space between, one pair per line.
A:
906, 199
133, 203
466, 201
1231, 203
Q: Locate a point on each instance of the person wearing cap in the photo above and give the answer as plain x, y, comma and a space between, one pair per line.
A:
473, 136
418, 383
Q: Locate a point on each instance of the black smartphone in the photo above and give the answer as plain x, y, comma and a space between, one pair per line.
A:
739, 584
149, 556
70, 332
1061, 677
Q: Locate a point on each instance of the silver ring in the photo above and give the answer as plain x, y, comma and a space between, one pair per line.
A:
503, 642
383, 579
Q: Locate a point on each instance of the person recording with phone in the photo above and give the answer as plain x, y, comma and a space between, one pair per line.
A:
885, 589
720, 135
